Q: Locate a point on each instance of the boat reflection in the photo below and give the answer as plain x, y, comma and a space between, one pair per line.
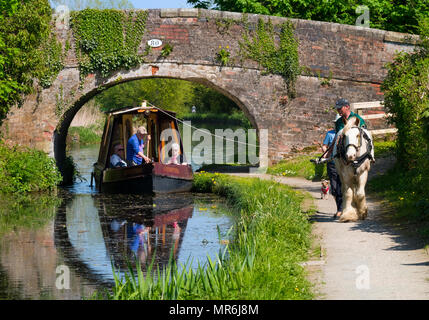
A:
97, 232
150, 233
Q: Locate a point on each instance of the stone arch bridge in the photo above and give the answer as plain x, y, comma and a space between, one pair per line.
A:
341, 61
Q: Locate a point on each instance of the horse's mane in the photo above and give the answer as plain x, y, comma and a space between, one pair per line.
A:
352, 122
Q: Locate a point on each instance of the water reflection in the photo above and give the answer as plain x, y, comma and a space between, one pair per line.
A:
91, 232
97, 231
28, 254
86, 232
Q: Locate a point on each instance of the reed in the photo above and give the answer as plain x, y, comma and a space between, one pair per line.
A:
87, 125
89, 115
271, 236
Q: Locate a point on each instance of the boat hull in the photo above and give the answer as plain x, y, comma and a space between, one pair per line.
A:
144, 179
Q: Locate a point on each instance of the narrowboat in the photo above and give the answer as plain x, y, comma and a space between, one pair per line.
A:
161, 174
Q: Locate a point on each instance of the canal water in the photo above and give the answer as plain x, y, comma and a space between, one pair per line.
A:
66, 247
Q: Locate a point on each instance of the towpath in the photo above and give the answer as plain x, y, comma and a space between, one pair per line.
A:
363, 260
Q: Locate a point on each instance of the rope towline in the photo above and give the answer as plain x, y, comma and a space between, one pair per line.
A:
195, 128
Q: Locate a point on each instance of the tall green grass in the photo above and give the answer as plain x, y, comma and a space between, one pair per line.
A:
85, 135
270, 238
300, 166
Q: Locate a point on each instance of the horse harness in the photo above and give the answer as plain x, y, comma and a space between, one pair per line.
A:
342, 150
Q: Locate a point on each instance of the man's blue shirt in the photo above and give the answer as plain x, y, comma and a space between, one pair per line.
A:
134, 145
329, 137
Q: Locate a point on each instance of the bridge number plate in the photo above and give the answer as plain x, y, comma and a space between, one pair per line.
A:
154, 43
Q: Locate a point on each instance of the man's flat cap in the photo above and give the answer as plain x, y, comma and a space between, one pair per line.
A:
341, 103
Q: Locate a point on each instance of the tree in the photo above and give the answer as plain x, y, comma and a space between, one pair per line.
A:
396, 15
24, 26
210, 101
169, 94
406, 97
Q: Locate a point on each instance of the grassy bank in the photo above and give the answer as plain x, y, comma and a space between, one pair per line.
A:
300, 166
271, 236
405, 193
85, 135
26, 170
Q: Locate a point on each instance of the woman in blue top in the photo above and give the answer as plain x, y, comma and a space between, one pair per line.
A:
135, 145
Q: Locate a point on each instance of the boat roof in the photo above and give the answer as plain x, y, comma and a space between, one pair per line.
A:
138, 110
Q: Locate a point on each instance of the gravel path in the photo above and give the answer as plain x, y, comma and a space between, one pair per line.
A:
362, 260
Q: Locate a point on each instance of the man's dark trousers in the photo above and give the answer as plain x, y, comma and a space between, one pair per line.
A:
334, 179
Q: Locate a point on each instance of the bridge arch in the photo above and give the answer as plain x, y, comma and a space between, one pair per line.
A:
207, 76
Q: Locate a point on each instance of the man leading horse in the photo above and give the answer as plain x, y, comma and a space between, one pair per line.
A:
342, 169
353, 152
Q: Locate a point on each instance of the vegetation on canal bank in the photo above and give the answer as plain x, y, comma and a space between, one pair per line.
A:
85, 135
26, 49
405, 193
271, 237
26, 170
299, 166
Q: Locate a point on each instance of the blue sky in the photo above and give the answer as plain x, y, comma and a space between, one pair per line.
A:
159, 4
137, 4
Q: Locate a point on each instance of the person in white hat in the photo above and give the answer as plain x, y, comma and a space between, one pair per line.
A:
117, 158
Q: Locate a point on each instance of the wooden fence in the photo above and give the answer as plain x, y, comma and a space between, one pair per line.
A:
364, 109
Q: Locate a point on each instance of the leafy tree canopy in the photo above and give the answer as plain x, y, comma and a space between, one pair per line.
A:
393, 15
170, 94
406, 98
24, 26
164, 93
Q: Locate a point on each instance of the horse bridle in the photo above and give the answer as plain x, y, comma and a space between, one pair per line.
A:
358, 161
